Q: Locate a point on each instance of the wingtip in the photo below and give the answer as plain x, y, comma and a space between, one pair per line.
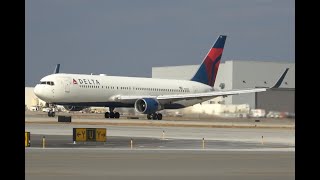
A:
277, 85
57, 69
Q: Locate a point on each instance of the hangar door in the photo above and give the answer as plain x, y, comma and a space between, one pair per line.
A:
281, 99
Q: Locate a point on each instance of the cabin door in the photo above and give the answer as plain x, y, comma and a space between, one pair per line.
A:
66, 83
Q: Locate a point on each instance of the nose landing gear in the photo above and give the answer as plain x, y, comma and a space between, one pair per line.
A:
51, 113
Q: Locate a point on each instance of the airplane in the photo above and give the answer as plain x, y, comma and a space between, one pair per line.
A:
146, 95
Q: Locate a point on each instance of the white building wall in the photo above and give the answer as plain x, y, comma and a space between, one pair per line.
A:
31, 99
224, 76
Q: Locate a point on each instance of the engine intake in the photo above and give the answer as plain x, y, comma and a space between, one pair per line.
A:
147, 105
74, 108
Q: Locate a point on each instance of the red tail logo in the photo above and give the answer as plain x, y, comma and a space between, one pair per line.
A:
74, 81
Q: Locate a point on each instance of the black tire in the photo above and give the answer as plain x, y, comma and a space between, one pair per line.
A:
159, 116
49, 113
107, 115
53, 114
148, 116
154, 116
111, 114
116, 115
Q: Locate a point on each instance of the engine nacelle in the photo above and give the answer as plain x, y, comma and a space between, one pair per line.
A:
74, 108
147, 105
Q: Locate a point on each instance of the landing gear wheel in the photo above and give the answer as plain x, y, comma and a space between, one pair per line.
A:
154, 116
116, 115
111, 114
51, 114
148, 116
107, 115
159, 116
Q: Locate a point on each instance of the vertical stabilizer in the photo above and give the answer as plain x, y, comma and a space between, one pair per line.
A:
208, 69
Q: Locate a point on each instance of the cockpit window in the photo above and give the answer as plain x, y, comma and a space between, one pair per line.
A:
51, 83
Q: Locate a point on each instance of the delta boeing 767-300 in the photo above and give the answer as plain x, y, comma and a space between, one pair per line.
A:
145, 95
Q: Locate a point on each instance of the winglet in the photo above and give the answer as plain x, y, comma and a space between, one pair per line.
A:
277, 85
56, 70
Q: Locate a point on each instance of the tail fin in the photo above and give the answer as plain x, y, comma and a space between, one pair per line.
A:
208, 69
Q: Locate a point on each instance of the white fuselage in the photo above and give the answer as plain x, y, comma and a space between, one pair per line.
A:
102, 90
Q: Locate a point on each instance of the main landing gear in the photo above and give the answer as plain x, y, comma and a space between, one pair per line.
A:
51, 113
112, 114
155, 116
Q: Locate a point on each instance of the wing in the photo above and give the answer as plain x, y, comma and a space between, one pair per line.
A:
176, 97
212, 94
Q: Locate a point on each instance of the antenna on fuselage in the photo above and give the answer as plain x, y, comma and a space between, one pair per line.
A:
56, 70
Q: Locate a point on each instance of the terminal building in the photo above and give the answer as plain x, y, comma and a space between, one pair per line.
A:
236, 74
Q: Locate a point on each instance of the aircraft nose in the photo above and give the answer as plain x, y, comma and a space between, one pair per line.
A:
38, 91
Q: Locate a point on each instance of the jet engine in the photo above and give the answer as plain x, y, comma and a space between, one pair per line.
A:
147, 105
74, 108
